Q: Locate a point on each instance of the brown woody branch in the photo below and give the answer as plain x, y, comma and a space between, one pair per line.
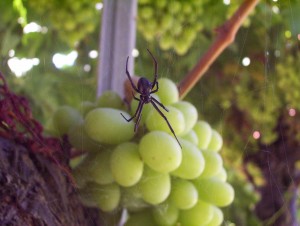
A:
226, 35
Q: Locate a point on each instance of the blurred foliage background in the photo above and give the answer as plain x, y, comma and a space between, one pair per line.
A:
251, 94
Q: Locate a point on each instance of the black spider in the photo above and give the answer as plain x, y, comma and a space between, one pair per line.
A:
145, 88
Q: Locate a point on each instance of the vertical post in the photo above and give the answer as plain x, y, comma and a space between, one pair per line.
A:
117, 40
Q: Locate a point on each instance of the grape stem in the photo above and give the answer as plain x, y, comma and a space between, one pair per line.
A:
226, 36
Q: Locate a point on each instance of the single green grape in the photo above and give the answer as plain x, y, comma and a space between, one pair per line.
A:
156, 122
189, 112
204, 133
216, 142
192, 164
160, 151
184, 194
126, 165
167, 92
214, 191
110, 99
64, 118
146, 13
217, 218
222, 175
106, 125
200, 214
166, 22
165, 41
105, 197
213, 164
155, 187
174, 7
165, 214
191, 136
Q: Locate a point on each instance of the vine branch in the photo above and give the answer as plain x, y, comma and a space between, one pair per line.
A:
226, 36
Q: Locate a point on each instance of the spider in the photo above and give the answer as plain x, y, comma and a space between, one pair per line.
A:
145, 88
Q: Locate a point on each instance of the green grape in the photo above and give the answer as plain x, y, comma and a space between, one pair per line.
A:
165, 214
217, 218
160, 151
187, 8
64, 118
166, 42
181, 46
160, 3
189, 112
213, 164
184, 194
204, 133
146, 13
126, 164
73, 29
105, 197
80, 140
216, 142
191, 136
176, 27
168, 92
222, 175
95, 167
110, 99
154, 186
167, 22
86, 106
192, 164
155, 121
174, 7
200, 214
74, 162
214, 191
142, 218
106, 125
132, 199
146, 108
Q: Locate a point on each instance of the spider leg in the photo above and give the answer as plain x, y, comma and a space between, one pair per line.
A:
165, 118
137, 113
129, 77
128, 120
155, 69
154, 91
135, 97
160, 104
139, 116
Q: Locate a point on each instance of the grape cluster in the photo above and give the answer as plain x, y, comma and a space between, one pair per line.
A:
72, 20
149, 174
174, 24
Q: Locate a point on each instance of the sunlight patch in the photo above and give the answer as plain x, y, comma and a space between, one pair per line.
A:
64, 60
20, 66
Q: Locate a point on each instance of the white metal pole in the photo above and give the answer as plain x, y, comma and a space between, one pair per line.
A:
117, 40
